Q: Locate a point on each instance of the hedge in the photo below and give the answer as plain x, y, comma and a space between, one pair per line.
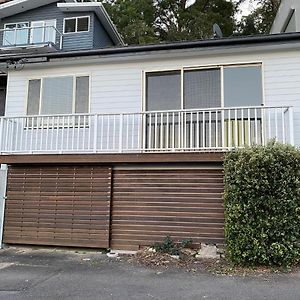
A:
262, 205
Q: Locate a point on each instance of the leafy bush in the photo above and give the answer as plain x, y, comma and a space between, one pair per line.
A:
262, 205
169, 246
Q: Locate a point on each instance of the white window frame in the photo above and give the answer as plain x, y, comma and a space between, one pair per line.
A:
204, 67
15, 36
74, 93
76, 24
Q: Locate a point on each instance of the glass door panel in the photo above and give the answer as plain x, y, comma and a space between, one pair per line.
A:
37, 32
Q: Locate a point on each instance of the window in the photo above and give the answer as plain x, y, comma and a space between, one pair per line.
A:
16, 34
163, 91
58, 95
224, 86
202, 88
242, 86
78, 24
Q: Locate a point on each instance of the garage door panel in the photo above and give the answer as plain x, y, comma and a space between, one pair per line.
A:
59, 206
149, 204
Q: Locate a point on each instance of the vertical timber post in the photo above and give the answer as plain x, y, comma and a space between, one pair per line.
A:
3, 182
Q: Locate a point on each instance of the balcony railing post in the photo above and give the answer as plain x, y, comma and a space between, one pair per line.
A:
121, 133
1, 135
95, 132
291, 125
61, 42
143, 133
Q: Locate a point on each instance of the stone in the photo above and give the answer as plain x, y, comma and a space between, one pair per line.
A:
208, 251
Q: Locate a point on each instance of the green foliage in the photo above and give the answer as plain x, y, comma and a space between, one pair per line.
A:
134, 20
170, 247
167, 246
177, 22
187, 243
152, 21
261, 19
262, 205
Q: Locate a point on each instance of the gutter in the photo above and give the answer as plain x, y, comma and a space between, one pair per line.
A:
237, 41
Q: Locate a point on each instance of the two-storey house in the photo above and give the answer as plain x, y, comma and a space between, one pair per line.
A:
117, 146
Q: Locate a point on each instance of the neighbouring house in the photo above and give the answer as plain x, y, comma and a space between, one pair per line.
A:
116, 146
288, 17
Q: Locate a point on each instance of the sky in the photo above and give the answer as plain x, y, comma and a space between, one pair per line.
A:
246, 7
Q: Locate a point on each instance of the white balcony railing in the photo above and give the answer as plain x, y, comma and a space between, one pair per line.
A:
35, 35
165, 131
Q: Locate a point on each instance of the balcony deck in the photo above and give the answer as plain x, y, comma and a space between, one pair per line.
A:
193, 131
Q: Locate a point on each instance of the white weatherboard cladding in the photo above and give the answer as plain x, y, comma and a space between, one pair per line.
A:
118, 87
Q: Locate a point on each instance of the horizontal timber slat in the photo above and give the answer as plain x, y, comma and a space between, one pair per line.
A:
149, 204
200, 157
58, 205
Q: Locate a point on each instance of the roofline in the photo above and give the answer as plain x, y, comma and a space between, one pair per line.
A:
233, 41
10, 6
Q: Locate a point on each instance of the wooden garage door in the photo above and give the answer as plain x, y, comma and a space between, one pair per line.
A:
150, 204
61, 206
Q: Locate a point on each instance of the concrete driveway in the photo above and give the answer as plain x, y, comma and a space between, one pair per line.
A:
60, 274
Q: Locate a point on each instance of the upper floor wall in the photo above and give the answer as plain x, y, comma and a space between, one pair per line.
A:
288, 17
51, 25
131, 87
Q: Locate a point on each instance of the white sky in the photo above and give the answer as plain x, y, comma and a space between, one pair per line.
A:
246, 7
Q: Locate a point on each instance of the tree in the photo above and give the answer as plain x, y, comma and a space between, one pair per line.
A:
261, 19
134, 20
176, 21
148, 21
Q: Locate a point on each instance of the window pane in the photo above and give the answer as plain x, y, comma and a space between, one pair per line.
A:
22, 36
33, 102
50, 33
70, 25
82, 94
83, 24
37, 35
242, 86
9, 35
18, 36
202, 88
57, 95
163, 91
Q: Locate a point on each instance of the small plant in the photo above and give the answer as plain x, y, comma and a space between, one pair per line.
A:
187, 243
170, 247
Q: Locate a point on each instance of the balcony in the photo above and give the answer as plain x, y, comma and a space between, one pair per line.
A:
166, 131
18, 38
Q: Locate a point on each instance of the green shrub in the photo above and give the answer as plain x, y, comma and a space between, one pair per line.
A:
262, 205
170, 247
167, 246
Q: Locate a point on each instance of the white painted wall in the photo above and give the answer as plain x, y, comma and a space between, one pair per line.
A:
118, 87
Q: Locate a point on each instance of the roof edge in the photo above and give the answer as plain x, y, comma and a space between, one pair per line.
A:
225, 42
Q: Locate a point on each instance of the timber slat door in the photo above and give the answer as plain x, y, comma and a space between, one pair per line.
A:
149, 204
58, 206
